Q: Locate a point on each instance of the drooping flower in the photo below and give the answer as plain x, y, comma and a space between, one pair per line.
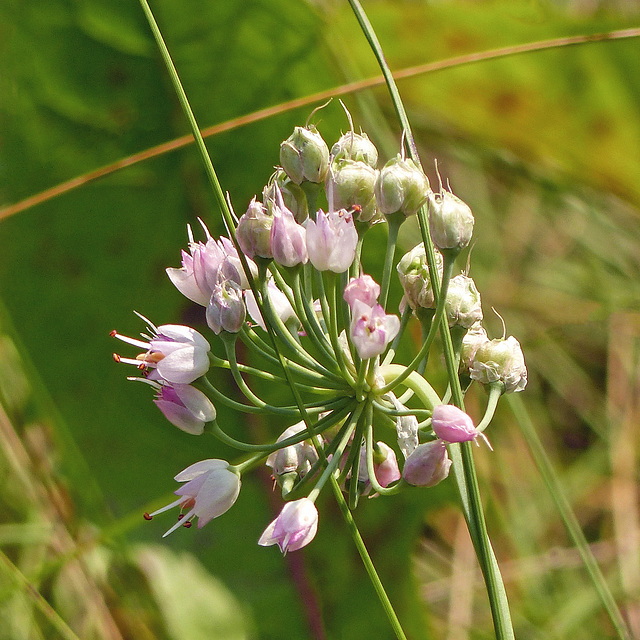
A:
296, 458
428, 465
364, 288
331, 240
295, 526
288, 239
500, 360
451, 424
372, 329
184, 406
226, 310
211, 489
385, 465
173, 352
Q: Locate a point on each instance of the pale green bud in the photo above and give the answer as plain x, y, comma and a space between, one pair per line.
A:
472, 340
450, 221
500, 360
354, 146
463, 306
254, 231
413, 272
304, 155
401, 186
293, 195
352, 183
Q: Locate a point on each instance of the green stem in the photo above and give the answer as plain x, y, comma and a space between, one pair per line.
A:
393, 222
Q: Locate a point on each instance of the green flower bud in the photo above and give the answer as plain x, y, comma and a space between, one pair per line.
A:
354, 146
450, 221
352, 183
472, 340
401, 186
254, 231
293, 195
413, 272
500, 360
304, 155
463, 305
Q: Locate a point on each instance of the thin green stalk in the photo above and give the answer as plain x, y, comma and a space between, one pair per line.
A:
568, 516
393, 224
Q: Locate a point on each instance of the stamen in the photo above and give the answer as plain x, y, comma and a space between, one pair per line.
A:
117, 358
188, 524
146, 516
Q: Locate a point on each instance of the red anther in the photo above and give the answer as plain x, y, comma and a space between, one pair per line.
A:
146, 516
180, 516
113, 333
356, 208
116, 357
187, 524
142, 366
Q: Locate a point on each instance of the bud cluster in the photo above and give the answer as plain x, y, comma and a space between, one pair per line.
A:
288, 283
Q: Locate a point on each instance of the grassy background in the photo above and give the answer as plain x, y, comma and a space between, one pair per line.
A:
545, 147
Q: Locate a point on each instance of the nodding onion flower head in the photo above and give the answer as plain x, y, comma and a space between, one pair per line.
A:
463, 305
304, 155
351, 184
450, 221
173, 352
287, 239
428, 464
364, 288
413, 272
211, 489
331, 240
184, 406
226, 310
401, 186
372, 329
204, 265
355, 146
500, 360
294, 528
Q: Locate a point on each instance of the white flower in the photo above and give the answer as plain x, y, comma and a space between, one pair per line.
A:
294, 528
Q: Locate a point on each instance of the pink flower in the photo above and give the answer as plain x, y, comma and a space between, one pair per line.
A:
372, 329
288, 238
173, 352
427, 465
184, 406
331, 240
452, 424
226, 310
294, 528
211, 489
385, 465
364, 288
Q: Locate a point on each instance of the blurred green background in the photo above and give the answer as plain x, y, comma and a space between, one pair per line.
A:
544, 146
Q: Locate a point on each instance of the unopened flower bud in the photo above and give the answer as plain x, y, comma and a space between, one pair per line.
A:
401, 186
288, 238
500, 360
293, 195
463, 306
295, 527
254, 231
473, 338
452, 424
385, 465
354, 146
413, 272
304, 155
364, 288
427, 465
351, 183
450, 221
226, 310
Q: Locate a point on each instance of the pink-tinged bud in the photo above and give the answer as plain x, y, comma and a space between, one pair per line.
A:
413, 272
294, 528
185, 407
463, 305
364, 288
288, 238
450, 221
401, 186
351, 184
500, 360
211, 488
355, 146
427, 465
452, 424
473, 339
304, 155
254, 231
226, 310
293, 195
372, 329
385, 465
331, 240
